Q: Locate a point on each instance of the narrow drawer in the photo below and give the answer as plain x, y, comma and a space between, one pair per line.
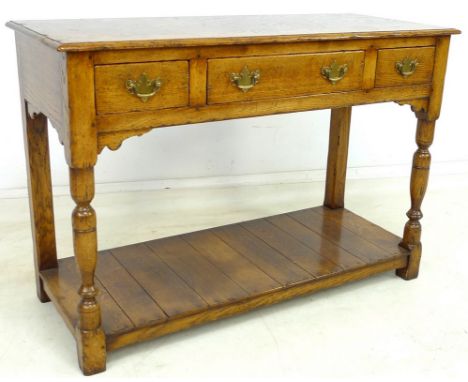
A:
125, 88
405, 66
283, 76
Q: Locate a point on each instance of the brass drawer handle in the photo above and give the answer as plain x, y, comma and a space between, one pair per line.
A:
334, 72
407, 66
245, 80
144, 88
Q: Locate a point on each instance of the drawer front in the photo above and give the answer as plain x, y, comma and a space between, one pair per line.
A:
283, 76
125, 88
405, 66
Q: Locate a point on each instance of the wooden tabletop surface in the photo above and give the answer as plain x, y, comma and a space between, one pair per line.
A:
130, 33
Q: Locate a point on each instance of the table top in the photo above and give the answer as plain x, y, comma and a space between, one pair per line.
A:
132, 33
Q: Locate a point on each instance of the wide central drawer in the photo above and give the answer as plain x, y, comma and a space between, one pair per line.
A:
254, 78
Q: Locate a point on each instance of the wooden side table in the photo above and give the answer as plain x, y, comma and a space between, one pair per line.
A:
100, 82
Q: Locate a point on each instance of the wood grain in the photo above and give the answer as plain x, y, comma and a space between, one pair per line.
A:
138, 305
41, 206
387, 75
114, 129
42, 73
81, 147
113, 97
184, 260
198, 72
338, 142
314, 263
74, 71
440, 66
171, 293
362, 227
88, 330
318, 243
210, 274
283, 76
418, 185
272, 262
370, 64
245, 50
421, 163
246, 274
343, 237
104, 34
62, 283
150, 332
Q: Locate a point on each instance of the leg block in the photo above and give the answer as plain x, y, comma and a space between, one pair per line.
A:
91, 347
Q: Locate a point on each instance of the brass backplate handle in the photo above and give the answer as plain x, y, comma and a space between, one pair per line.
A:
245, 80
407, 66
335, 72
143, 87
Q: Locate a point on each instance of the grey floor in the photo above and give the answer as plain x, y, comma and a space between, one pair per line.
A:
382, 327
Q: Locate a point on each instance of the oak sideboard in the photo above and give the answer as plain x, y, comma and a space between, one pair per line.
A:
100, 82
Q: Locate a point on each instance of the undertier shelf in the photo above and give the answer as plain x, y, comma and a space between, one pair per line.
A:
154, 288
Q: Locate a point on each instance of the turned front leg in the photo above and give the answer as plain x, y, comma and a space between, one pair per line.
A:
89, 335
419, 178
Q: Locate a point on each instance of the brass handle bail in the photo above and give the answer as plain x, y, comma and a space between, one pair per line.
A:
143, 87
245, 80
407, 66
334, 72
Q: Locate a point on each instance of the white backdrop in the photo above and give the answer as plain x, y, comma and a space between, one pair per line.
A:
292, 145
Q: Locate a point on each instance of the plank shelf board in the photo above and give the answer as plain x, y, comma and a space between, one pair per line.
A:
154, 288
